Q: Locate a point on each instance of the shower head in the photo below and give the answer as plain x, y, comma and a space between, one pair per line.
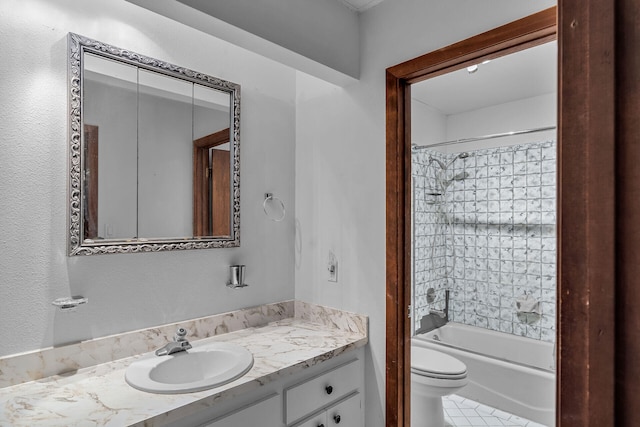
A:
441, 182
462, 155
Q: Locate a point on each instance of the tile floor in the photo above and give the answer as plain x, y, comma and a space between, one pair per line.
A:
461, 412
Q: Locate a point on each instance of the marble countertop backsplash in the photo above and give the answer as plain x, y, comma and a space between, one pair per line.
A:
43, 363
83, 384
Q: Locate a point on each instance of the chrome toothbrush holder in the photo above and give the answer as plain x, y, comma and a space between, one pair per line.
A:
237, 277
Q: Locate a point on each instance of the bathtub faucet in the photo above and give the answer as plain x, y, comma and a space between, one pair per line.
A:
444, 314
436, 318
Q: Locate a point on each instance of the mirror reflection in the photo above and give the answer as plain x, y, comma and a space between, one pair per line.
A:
159, 154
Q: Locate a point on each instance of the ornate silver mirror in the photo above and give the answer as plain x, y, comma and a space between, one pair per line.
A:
154, 154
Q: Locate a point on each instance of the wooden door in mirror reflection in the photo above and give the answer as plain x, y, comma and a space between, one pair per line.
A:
211, 186
90, 181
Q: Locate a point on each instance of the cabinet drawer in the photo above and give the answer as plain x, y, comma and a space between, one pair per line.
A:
265, 413
318, 420
311, 395
347, 413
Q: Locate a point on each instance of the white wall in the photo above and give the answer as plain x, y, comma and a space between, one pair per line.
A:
340, 161
428, 125
528, 113
130, 291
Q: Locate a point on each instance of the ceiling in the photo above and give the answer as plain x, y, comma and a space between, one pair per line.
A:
322, 38
360, 5
521, 75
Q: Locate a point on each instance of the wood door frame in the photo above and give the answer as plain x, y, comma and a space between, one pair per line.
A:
586, 208
627, 210
201, 148
90, 182
220, 182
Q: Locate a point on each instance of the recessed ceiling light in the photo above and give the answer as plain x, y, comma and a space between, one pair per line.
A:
472, 69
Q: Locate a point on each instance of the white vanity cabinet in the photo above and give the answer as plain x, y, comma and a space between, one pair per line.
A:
329, 394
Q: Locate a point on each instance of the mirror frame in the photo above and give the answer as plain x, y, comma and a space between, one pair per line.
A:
77, 46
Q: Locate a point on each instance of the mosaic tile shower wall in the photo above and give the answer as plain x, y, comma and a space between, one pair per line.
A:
485, 228
430, 231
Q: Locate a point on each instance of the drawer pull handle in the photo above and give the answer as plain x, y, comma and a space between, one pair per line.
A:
336, 418
320, 425
329, 389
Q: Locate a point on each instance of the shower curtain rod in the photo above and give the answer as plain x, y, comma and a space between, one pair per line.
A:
481, 138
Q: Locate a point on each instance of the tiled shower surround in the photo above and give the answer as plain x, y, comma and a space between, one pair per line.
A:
486, 230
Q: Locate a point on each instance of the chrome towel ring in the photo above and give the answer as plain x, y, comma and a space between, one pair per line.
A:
273, 207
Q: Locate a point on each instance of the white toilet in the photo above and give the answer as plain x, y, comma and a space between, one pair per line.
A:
433, 375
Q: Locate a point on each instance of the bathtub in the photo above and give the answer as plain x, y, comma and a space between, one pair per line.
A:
508, 372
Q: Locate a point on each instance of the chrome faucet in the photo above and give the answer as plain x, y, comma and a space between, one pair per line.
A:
178, 344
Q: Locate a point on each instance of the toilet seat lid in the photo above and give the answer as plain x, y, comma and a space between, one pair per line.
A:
436, 364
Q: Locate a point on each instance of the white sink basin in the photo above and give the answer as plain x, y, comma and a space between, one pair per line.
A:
200, 368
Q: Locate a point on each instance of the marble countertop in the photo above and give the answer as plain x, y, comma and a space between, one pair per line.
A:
99, 395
